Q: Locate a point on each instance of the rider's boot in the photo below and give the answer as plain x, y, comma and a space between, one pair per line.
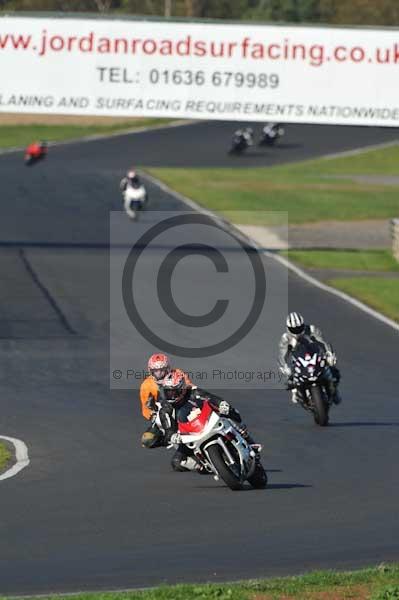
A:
181, 461
333, 392
337, 398
290, 385
190, 464
257, 448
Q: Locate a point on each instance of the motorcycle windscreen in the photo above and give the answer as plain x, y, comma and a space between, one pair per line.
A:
196, 419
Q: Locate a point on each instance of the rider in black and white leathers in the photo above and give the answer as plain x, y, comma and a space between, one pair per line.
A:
179, 402
289, 340
245, 133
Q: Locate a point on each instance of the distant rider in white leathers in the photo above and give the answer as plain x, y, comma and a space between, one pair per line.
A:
134, 193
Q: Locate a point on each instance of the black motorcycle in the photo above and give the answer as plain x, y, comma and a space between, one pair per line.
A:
270, 134
239, 144
311, 375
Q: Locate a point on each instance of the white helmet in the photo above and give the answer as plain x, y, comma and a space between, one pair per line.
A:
295, 323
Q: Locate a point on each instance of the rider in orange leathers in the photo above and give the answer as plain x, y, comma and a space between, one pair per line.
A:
150, 391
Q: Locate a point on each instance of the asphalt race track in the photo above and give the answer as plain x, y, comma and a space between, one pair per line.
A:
96, 511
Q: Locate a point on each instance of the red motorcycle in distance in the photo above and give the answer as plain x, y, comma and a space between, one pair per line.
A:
218, 445
35, 152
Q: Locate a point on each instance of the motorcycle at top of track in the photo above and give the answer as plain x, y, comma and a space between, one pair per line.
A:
310, 373
34, 153
217, 444
239, 144
134, 198
270, 134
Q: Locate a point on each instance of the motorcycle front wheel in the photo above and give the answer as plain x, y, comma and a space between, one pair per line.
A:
320, 408
231, 480
258, 479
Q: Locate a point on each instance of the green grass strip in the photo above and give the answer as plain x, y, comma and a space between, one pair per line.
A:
309, 191
5, 456
355, 260
378, 582
12, 136
381, 294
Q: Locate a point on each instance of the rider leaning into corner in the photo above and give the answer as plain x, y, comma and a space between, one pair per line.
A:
247, 133
297, 329
166, 391
151, 397
37, 149
271, 129
180, 399
131, 179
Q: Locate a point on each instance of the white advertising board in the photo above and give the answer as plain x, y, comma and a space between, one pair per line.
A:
199, 70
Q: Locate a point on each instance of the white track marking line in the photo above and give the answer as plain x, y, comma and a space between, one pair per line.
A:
21, 455
282, 260
357, 151
326, 288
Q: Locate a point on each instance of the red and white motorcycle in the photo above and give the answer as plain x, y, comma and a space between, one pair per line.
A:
218, 445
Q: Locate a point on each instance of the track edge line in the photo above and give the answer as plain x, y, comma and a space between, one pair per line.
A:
21, 457
286, 262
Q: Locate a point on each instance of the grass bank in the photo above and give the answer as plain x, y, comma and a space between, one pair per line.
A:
381, 294
310, 191
355, 260
12, 136
5, 456
380, 583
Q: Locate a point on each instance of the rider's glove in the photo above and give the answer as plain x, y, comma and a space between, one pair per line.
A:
286, 371
175, 439
331, 358
224, 407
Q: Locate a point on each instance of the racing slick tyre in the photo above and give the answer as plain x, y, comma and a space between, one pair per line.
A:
320, 408
229, 477
258, 479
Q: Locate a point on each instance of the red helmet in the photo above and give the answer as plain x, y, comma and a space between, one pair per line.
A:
158, 366
174, 386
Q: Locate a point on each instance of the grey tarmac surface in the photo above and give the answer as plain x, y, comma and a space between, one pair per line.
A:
96, 511
190, 146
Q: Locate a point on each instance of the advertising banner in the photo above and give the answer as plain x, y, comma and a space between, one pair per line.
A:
199, 70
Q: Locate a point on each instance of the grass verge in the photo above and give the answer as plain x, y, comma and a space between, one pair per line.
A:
381, 294
12, 136
309, 191
5, 456
380, 583
355, 260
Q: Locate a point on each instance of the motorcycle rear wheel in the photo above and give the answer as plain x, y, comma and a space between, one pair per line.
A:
320, 408
231, 480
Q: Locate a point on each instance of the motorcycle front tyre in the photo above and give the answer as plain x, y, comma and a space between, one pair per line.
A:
231, 480
258, 479
320, 408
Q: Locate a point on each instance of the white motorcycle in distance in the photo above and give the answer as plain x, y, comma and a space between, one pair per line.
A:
134, 198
